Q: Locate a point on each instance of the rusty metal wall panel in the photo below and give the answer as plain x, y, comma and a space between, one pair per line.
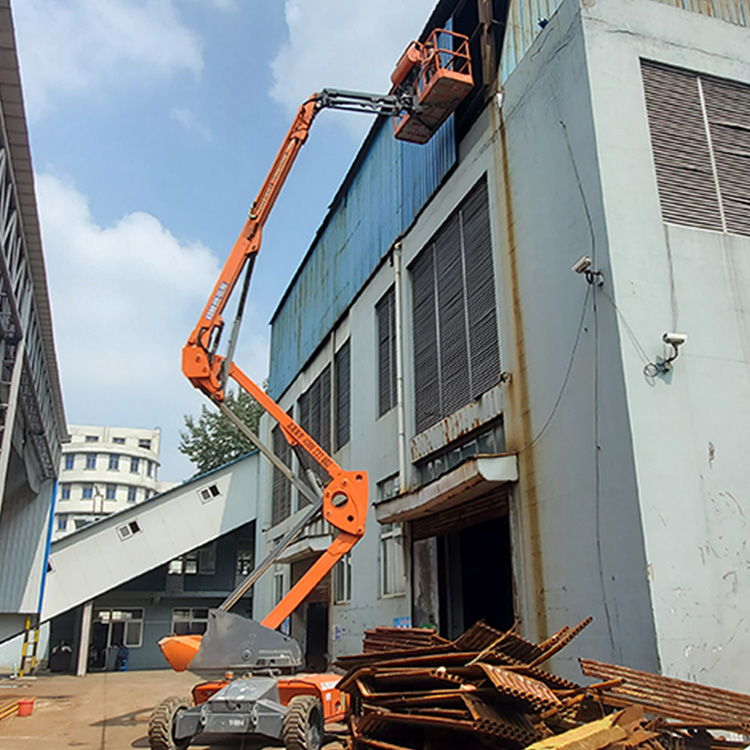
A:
734, 11
521, 30
386, 187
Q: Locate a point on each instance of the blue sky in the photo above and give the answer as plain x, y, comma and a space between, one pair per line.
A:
152, 125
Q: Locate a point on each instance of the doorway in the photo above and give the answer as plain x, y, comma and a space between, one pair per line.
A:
475, 577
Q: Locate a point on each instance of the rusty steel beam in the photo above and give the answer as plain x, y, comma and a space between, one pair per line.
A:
673, 698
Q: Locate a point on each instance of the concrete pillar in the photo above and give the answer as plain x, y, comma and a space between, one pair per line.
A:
83, 645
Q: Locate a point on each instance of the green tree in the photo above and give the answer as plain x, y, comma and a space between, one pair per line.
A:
212, 440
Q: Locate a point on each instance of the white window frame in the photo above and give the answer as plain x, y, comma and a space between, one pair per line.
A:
392, 584
115, 614
342, 580
195, 615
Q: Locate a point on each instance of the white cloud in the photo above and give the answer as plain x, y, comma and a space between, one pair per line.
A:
75, 47
187, 119
125, 298
346, 44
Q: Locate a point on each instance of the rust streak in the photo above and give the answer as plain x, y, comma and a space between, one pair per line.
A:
520, 436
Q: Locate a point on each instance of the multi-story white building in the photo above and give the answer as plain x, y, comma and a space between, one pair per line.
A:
104, 470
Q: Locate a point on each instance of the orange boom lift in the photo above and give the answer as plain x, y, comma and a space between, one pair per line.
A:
429, 82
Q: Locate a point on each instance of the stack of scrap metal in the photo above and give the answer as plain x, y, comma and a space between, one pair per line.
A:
393, 639
487, 689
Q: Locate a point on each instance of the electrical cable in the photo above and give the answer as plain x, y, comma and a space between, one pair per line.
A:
566, 378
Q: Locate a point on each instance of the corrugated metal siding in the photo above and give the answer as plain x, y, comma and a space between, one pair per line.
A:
521, 30
386, 188
734, 11
524, 16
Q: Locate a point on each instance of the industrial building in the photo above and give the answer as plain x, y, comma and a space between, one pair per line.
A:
104, 470
151, 569
32, 419
532, 334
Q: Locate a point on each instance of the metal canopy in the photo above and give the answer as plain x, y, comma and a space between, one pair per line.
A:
475, 477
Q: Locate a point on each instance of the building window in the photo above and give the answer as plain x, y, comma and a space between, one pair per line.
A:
131, 494
281, 493
245, 559
114, 462
62, 522
118, 440
388, 488
64, 492
134, 462
69, 460
315, 419
125, 626
385, 312
342, 580
92, 438
129, 529
88, 491
189, 620
91, 460
278, 583
143, 443
111, 491
699, 136
149, 468
342, 376
392, 581
200, 561
456, 349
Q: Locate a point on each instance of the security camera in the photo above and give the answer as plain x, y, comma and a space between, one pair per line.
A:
582, 265
675, 339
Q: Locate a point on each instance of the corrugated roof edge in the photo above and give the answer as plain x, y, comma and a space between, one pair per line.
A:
443, 10
161, 497
11, 94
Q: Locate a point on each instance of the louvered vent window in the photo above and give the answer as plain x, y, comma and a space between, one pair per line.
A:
281, 493
700, 136
385, 312
342, 368
456, 350
315, 418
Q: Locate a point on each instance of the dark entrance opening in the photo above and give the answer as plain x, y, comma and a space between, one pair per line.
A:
475, 577
316, 657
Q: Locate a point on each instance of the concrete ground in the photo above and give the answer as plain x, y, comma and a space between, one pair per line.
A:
103, 711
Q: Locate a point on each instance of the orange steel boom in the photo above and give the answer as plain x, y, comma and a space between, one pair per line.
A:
429, 82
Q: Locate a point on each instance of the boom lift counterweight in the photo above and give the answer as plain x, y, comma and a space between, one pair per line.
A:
429, 82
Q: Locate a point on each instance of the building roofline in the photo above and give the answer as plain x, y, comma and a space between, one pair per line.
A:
16, 136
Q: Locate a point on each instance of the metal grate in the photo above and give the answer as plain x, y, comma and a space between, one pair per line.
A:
700, 137
343, 369
385, 312
456, 347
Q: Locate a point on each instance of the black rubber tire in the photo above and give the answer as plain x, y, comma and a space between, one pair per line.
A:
161, 724
303, 724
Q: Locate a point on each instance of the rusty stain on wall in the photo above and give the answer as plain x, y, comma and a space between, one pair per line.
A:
518, 413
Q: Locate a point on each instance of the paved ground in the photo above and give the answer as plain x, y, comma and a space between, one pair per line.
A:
105, 711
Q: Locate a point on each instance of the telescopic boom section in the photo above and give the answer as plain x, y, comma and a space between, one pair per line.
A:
198, 363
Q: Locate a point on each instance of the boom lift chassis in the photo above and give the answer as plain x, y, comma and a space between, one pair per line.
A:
429, 82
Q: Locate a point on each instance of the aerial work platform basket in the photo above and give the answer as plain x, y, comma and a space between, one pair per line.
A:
439, 73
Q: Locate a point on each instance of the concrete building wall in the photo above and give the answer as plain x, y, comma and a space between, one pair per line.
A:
689, 426
629, 504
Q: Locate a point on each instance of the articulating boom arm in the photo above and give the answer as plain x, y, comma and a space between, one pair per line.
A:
429, 81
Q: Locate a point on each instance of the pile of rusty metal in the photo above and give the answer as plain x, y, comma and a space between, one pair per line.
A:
487, 689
